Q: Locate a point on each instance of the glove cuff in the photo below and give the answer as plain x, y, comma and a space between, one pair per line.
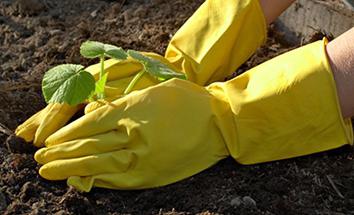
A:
286, 107
217, 39
346, 124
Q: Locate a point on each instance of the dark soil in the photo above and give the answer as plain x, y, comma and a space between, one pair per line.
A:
38, 34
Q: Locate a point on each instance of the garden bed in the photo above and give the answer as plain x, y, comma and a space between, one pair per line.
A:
38, 34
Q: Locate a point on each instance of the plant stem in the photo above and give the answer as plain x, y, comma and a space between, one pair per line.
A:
102, 66
134, 81
100, 95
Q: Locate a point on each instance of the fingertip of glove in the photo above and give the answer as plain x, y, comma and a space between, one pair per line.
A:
22, 133
39, 156
43, 171
80, 184
38, 143
48, 172
49, 141
93, 106
18, 129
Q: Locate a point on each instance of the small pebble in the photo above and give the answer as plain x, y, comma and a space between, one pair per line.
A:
55, 32
248, 201
61, 212
235, 202
37, 211
93, 14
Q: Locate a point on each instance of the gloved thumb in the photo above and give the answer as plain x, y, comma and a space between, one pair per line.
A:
81, 183
92, 106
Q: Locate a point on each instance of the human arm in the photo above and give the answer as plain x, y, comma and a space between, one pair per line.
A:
273, 8
207, 48
238, 33
283, 108
340, 52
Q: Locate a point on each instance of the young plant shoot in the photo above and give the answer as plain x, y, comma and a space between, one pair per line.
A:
71, 84
93, 49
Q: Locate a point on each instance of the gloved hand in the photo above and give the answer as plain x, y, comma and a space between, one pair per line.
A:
283, 108
44, 123
211, 45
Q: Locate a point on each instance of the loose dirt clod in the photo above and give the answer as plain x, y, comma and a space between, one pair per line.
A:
17, 145
3, 203
249, 202
235, 202
28, 7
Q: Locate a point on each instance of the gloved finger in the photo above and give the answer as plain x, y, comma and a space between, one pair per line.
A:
108, 142
58, 115
97, 122
115, 89
121, 181
116, 69
112, 162
92, 106
28, 129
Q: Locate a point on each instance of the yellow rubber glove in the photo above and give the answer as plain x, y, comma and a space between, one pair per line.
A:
283, 108
44, 123
211, 45
222, 35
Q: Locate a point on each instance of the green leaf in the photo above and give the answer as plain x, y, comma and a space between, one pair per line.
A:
155, 67
67, 83
115, 52
92, 49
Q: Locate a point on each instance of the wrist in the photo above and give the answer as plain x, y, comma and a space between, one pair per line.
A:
340, 54
273, 8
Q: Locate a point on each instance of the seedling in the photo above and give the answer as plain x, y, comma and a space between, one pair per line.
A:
71, 84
